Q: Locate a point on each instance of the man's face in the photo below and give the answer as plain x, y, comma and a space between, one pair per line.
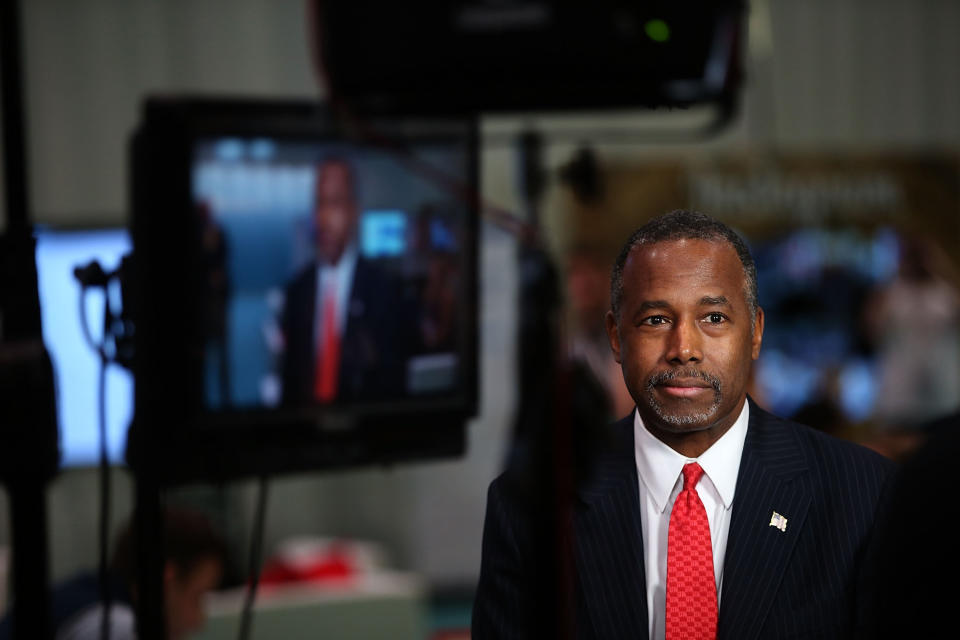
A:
335, 211
184, 595
684, 337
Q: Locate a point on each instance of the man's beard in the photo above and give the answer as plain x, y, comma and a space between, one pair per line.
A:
689, 418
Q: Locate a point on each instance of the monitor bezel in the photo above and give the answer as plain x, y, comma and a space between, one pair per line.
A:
173, 436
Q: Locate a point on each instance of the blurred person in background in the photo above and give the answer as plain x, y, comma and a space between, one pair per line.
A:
914, 323
194, 558
588, 295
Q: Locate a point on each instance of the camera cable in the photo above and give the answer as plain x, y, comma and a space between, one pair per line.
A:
93, 275
256, 557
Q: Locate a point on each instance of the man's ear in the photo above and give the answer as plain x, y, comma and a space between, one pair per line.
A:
757, 338
613, 334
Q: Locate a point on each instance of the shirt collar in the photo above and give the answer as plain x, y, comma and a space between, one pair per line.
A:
344, 265
349, 254
659, 466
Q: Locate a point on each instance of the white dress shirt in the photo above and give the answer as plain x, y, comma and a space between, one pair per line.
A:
339, 276
659, 472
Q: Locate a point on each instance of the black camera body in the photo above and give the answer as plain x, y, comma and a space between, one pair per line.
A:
529, 55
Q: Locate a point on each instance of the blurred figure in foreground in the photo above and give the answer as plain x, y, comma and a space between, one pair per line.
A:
915, 549
588, 294
194, 557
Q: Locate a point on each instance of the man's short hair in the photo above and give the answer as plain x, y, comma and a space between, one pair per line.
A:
188, 539
682, 224
347, 164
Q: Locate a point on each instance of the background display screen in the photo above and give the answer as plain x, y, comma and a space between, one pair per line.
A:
332, 273
75, 363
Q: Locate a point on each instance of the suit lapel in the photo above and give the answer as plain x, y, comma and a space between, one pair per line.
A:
771, 479
608, 547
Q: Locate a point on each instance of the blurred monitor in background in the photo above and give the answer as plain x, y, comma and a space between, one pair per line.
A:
75, 362
914, 323
311, 293
816, 364
338, 272
863, 330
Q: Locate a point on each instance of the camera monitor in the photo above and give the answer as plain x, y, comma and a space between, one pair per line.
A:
304, 298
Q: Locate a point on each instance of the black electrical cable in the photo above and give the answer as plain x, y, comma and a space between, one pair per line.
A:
103, 577
106, 596
256, 558
98, 348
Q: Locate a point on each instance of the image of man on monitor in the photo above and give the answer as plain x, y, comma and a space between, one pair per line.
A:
340, 321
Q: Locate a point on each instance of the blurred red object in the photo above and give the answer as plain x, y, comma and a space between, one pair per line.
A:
332, 563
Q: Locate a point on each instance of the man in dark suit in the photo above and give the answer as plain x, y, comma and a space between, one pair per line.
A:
340, 319
707, 517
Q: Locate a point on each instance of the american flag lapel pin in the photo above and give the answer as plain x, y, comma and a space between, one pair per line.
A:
778, 521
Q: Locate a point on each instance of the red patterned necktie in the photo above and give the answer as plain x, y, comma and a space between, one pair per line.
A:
691, 586
328, 349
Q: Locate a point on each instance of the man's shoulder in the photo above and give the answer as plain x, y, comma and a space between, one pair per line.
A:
303, 276
601, 452
827, 453
371, 274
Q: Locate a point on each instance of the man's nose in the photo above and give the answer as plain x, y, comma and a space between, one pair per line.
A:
685, 343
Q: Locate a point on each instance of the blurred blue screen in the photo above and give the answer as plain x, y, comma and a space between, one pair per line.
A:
76, 365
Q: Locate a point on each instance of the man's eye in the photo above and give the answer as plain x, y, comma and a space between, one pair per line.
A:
715, 318
655, 320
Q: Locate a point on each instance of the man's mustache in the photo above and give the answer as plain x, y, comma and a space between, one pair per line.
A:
673, 374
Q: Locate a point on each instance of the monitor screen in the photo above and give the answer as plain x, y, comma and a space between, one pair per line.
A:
305, 297
76, 365
331, 273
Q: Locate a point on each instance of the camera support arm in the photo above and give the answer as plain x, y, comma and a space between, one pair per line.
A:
28, 423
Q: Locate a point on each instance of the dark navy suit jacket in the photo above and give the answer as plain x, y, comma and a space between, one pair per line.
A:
804, 582
371, 348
